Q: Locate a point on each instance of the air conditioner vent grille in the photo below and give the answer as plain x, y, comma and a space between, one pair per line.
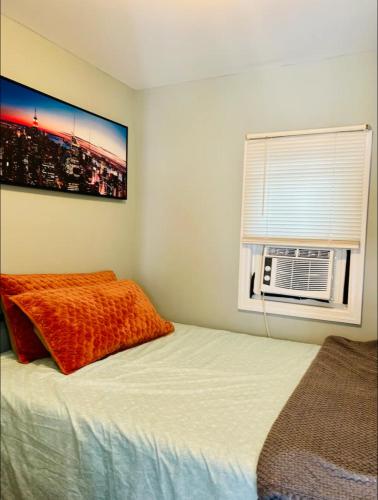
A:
313, 253
304, 253
281, 251
301, 274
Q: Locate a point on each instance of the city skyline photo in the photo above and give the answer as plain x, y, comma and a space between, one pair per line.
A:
48, 143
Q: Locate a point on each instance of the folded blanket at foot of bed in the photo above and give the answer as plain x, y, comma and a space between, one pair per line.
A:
323, 445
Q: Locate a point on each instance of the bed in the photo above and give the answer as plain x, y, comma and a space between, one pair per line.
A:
182, 417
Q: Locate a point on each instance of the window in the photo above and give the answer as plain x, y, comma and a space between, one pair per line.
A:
304, 210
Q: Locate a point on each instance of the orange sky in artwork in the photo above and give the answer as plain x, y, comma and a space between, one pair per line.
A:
24, 121
19, 104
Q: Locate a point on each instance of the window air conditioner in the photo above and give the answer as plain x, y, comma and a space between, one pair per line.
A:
297, 272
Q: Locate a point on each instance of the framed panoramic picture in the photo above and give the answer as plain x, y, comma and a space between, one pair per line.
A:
47, 143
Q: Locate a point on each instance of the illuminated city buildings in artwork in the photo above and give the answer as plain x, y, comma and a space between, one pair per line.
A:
31, 154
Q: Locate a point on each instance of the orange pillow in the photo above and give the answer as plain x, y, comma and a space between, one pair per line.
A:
80, 325
25, 342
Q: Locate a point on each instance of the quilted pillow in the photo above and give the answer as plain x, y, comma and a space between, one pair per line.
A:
25, 343
80, 325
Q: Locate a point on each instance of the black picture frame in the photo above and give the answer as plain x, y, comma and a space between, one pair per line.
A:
38, 149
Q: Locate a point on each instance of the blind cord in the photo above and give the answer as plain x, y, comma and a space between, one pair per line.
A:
268, 334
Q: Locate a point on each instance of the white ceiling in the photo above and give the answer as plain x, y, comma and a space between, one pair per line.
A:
148, 43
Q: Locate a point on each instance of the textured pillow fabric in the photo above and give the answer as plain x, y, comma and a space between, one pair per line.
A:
25, 343
80, 325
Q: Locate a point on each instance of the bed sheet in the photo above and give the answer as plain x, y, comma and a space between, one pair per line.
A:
183, 417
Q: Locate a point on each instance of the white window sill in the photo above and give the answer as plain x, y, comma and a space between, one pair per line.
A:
338, 314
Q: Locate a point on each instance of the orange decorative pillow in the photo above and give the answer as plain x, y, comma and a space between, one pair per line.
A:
80, 325
25, 342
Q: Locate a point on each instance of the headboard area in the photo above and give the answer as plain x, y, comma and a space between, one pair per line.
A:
4, 336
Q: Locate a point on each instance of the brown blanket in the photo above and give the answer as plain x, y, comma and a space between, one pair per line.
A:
323, 445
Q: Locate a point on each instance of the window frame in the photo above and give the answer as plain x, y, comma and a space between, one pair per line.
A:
350, 313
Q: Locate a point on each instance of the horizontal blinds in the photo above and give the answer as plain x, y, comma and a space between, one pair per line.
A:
305, 187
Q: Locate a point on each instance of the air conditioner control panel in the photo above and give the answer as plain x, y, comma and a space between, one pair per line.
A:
267, 270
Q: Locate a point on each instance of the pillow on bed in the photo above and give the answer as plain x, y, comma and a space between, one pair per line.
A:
80, 325
25, 343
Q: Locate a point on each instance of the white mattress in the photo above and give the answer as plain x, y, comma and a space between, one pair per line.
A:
182, 417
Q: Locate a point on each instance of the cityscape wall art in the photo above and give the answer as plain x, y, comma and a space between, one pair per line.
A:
47, 143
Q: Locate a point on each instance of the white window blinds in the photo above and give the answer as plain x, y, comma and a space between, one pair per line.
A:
306, 188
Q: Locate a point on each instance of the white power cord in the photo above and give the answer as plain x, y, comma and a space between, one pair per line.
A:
265, 317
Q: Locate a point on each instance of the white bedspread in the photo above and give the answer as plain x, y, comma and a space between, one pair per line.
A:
183, 417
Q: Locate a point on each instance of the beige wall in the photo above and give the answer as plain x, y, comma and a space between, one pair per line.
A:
42, 231
190, 146
178, 234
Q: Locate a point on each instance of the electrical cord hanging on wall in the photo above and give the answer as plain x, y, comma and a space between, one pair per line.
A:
268, 334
